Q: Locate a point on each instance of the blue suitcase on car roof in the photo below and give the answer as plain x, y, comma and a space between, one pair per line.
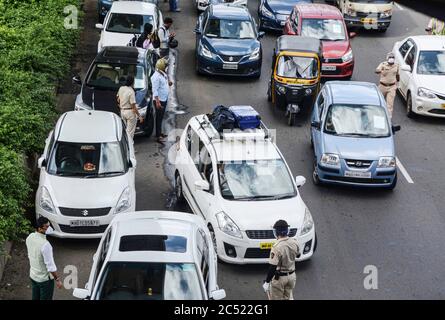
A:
246, 117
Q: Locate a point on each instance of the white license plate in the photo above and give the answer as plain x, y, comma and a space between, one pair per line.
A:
229, 66
283, 23
84, 223
358, 174
328, 68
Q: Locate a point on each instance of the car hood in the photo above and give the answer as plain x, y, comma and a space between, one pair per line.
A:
86, 193
261, 215
431, 82
231, 47
280, 7
115, 39
358, 148
100, 99
335, 49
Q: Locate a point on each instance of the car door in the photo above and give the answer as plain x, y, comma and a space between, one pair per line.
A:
98, 263
406, 76
317, 117
400, 55
206, 199
199, 29
204, 259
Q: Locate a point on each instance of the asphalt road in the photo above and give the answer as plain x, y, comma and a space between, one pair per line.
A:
399, 232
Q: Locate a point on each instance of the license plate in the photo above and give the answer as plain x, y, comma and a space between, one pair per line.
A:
328, 68
369, 20
84, 223
229, 66
358, 174
283, 23
266, 245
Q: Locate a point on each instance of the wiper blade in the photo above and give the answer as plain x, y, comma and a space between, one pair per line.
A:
104, 174
353, 134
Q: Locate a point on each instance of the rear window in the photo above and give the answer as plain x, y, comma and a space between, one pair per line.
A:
153, 243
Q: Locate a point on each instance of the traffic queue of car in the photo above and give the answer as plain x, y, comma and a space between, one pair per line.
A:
228, 178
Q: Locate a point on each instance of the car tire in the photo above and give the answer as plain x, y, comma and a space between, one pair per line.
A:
315, 177
178, 189
149, 120
292, 119
409, 106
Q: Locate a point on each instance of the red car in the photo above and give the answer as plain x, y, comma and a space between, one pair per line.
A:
326, 23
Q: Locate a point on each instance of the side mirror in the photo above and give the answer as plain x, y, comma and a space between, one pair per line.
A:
352, 34
81, 293
41, 162
396, 128
261, 34
202, 185
300, 181
197, 31
218, 294
406, 68
315, 124
76, 80
99, 26
133, 163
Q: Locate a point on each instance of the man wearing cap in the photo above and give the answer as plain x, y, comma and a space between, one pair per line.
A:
281, 278
389, 77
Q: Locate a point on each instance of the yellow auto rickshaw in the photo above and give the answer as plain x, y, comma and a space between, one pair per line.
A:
296, 72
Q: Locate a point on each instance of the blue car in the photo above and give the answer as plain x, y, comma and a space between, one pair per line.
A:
352, 136
103, 6
227, 42
273, 14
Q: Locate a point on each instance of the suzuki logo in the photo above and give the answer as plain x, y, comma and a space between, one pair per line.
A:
230, 58
85, 213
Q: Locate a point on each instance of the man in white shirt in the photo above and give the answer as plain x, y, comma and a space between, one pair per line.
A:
165, 36
43, 270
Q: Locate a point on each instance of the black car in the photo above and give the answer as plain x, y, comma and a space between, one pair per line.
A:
272, 14
108, 73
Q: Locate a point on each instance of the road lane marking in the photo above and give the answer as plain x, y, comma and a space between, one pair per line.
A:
403, 171
399, 6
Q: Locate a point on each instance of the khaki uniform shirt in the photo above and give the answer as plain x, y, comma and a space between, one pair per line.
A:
436, 26
126, 97
388, 73
283, 254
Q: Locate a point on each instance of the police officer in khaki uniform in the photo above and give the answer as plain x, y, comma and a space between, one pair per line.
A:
281, 278
389, 76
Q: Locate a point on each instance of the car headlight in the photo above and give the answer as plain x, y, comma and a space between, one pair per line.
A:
330, 159
387, 162
143, 111
227, 225
80, 105
45, 201
351, 13
348, 56
255, 54
308, 222
386, 14
425, 93
124, 201
266, 12
204, 51
281, 89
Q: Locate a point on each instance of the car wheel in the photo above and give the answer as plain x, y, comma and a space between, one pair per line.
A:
291, 119
409, 106
149, 120
315, 177
178, 189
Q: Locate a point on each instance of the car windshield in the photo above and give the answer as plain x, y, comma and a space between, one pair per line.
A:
112, 76
87, 159
431, 62
255, 180
128, 23
297, 67
323, 29
229, 29
357, 120
150, 281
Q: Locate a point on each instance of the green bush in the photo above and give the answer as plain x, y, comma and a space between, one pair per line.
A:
35, 53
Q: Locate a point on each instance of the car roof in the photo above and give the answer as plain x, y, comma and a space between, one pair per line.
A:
318, 10
293, 43
121, 54
88, 127
429, 42
234, 12
155, 223
353, 92
133, 7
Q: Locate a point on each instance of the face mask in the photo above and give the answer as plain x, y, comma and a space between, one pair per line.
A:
391, 60
49, 231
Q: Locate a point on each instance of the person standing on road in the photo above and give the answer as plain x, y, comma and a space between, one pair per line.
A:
144, 41
43, 270
126, 98
281, 278
174, 6
165, 37
389, 77
436, 27
160, 87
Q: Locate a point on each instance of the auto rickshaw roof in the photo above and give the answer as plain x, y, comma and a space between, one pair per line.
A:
299, 43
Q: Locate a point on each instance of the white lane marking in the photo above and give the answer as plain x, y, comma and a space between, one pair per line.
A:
403, 171
399, 6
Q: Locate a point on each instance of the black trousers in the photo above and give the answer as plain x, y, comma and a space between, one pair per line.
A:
159, 117
42, 290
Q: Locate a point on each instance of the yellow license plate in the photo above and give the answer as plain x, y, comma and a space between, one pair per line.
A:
266, 245
369, 20
443, 106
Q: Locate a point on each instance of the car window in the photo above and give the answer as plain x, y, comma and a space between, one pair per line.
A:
128, 23
320, 103
203, 248
404, 48
205, 163
295, 22
50, 146
297, 67
323, 29
102, 254
411, 57
229, 29
431, 62
194, 146
112, 75
125, 146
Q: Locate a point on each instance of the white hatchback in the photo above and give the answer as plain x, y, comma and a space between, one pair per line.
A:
87, 174
154, 255
422, 74
241, 185
124, 20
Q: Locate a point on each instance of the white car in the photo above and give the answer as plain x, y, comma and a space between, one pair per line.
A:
201, 5
154, 255
241, 185
87, 174
422, 74
124, 20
